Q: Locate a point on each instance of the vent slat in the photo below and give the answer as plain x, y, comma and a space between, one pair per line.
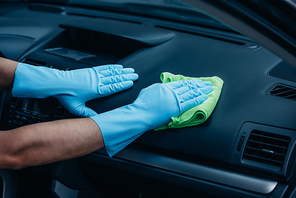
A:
283, 91
292, 96
266, 148
275, 138
267, 151
272, 145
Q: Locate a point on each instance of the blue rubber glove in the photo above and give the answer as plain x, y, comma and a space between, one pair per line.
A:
72, 88
154, 107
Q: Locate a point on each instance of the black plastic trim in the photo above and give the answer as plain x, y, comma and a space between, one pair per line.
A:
9, 183
147, 35
224, 177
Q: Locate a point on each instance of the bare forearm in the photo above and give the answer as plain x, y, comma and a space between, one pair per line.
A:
7, 69
49, 142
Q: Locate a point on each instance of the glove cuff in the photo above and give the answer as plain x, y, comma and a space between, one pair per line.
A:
33, 82
120, 127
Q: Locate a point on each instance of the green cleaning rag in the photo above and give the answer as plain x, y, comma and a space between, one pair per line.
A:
197, 114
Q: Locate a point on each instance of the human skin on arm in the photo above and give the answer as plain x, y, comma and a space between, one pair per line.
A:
48, 142
7, 69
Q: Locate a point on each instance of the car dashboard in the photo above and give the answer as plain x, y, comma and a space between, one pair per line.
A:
245, 148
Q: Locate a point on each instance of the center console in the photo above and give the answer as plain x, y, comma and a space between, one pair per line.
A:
23, 111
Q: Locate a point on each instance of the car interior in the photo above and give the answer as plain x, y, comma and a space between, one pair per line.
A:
244, 149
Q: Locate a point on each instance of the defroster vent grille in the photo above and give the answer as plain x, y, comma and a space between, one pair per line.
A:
267, 148
284, 91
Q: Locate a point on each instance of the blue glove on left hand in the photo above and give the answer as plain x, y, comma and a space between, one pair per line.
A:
72, 88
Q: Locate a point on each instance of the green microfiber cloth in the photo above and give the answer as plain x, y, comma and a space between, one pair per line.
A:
197, 114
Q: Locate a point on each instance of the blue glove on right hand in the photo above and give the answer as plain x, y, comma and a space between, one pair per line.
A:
154, 107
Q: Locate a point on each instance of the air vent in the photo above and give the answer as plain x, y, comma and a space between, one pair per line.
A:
267, 148
284, 91
34, 62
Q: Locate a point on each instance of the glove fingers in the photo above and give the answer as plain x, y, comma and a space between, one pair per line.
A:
195, 83
115, 71
208, 83
189, 95
192, 102
194, 92
107, 67
126, 71
119, 78
114, 88
186, 83
206, 90
185, 89
191, 85
181, 90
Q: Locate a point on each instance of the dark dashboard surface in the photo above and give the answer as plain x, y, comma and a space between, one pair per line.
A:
247, 105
